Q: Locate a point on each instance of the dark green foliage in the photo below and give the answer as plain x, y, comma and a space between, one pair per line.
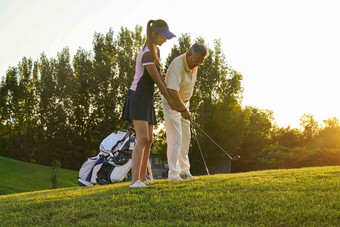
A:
282, 157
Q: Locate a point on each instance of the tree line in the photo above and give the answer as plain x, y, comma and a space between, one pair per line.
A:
60, 109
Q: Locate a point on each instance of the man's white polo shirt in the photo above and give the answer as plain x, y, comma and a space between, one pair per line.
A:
180, 78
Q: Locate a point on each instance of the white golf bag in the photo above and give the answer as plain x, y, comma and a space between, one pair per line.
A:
112, 163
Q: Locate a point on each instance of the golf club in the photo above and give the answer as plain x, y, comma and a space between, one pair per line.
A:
229, 155
199, 147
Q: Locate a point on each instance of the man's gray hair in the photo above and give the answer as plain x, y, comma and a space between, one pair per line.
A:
199, 48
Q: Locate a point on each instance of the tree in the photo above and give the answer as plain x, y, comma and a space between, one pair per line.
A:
27, 109
310, 129
329, 136
286, 137
83, 99
63, 109
9, 112
256, 138
47, 124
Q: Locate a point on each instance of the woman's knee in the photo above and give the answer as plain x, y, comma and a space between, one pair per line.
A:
150, 140
143, 140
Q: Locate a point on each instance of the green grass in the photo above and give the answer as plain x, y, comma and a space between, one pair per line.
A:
297, 197
17, 176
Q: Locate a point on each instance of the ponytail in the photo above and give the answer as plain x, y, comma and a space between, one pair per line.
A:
150, 39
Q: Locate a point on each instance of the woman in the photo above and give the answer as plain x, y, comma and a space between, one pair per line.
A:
139, 107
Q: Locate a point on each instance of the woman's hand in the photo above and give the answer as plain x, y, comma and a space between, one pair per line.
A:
172, 105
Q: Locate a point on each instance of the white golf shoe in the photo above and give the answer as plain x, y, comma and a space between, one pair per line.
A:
138, 184
175, 178
187, 175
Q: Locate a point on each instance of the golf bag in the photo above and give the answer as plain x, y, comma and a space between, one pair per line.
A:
112, 163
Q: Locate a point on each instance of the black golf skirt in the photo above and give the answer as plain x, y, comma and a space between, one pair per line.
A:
139, 106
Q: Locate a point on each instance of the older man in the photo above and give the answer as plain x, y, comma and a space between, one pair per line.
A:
180, 81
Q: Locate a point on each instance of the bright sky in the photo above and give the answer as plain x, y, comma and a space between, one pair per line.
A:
288, 51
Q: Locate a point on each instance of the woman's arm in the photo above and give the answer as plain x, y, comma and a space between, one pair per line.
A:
157, 78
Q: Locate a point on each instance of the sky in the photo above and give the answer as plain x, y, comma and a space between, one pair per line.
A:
288, 51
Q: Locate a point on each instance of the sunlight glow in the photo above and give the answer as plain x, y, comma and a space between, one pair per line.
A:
287, 51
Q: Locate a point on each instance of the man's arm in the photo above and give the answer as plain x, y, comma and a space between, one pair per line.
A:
180, 105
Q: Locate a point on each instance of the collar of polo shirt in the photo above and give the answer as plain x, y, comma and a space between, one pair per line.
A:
186, 63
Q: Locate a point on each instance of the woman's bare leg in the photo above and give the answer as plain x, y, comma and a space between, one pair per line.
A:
142, 133
146, 155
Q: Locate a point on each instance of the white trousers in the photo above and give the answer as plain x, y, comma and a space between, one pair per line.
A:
178, 140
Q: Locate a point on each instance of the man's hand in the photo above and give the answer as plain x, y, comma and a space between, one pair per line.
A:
186, 115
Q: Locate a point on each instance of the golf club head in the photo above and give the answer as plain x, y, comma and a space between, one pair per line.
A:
237, 157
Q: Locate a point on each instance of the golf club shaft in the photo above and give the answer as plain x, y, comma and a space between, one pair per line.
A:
214, 141
199, 147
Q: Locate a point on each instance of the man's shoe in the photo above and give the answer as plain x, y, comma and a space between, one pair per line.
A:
187, 175
138, 184
176, 178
